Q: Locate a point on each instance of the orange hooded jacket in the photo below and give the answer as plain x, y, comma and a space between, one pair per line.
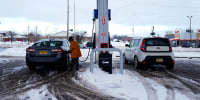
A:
75, 50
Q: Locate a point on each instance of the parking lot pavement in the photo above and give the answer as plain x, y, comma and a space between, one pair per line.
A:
16, 80
184, 78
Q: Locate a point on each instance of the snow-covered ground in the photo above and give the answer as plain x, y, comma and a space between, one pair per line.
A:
128, 86
19, 49
41, 93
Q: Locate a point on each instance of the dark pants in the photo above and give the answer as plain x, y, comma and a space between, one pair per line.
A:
75, 63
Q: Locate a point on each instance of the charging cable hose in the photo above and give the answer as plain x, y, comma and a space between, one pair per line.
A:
91, 41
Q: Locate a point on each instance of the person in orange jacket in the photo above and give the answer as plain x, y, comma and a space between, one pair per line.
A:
75, 53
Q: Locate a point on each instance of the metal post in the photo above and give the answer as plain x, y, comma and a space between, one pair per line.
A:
190, 17
67, 19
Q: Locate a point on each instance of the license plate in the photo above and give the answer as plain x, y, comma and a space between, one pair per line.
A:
43, 52
159, 59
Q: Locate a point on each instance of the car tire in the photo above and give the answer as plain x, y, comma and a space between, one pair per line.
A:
65, 62
170, 66
125, 60
31, 67
136, 64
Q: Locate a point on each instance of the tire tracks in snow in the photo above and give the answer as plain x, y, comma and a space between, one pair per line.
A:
151, 92
170, 80
59, 83
147, 85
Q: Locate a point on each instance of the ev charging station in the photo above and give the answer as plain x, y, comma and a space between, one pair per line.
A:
102, 39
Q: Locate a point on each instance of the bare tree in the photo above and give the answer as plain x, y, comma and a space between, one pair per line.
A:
10, 35
80, 37
34, 37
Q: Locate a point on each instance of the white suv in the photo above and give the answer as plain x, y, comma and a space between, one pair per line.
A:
149, 51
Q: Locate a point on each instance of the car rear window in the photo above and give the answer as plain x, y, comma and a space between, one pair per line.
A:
157, 42
48, 44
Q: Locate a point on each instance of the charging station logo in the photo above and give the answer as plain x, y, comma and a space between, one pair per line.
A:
103, 20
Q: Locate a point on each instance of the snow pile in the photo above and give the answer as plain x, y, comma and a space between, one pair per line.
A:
41, 93
14, 52
180, 49
16, 44
129, 86
126, 86
14, 49
19, 49
186, 54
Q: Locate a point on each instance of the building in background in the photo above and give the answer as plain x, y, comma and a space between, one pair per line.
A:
79, 36
8, 36
182, 38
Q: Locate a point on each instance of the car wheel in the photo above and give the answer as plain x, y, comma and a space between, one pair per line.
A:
170, 66
31, 67
125, 60
65, 62
136, 63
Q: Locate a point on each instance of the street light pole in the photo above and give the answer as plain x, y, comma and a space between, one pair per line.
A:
190, 17
67, 19
74, 16
28, 35
74, 19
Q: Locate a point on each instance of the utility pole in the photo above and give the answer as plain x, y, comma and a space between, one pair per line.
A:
36, 30
35, 33
67, 19
74, 20
28, 35
190, 17
46, 31
74, 16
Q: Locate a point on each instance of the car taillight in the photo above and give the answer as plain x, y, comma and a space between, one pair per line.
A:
58, 50
30, 50
170, 49
172, 61
143, 46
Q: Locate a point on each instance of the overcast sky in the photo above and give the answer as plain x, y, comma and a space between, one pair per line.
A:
50, 16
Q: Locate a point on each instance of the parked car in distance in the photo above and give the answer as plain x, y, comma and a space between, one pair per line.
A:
48, 52
81, 46
89, 44
149, 51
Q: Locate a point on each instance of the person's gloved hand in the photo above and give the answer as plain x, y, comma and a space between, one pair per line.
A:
67, 52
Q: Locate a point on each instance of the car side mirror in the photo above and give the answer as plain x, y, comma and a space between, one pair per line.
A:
126, 45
